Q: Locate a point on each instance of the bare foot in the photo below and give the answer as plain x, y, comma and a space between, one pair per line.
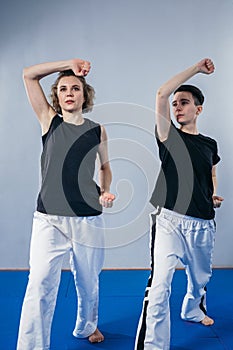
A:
207, 321
96, 337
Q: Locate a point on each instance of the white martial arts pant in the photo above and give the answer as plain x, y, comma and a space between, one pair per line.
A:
191, 240
52, 237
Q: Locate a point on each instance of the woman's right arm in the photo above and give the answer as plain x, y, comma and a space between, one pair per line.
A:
36, 96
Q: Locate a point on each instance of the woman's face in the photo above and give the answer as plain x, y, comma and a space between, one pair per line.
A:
70, 94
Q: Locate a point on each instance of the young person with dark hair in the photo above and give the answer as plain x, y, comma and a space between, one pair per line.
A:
182, 226
69, 206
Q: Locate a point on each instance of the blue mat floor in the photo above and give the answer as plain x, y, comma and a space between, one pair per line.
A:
121, 295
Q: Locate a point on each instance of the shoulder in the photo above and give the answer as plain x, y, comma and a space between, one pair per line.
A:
91, 123
207, 139
211, 144
94, 127
173, 131
55, 122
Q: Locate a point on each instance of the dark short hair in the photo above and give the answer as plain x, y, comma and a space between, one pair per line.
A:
88, 92
196, 93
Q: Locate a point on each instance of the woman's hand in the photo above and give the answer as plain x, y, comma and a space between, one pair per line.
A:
80, 67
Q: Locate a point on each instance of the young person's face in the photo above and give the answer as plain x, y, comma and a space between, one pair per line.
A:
184, 108
70, 94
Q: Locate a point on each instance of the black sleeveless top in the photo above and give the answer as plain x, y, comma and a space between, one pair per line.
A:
67, 169
185, 183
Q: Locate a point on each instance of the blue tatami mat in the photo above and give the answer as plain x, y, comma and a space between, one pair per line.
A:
121, 295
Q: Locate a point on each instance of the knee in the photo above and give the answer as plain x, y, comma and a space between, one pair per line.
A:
160, 293
159, 301
42, 280
197, 291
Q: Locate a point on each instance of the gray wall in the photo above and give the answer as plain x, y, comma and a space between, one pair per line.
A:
134, 46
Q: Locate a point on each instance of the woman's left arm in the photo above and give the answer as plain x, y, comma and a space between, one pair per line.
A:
105, 174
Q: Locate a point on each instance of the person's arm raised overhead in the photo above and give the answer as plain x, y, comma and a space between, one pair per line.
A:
32, 76
163, 117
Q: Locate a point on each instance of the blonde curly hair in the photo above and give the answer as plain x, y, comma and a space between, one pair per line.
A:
88, 92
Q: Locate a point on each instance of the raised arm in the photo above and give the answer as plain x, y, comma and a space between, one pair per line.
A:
36, 96
105, 174
163, 118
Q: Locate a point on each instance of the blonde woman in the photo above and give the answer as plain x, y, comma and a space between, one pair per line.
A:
68, 217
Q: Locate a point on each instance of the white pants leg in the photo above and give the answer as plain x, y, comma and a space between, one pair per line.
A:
47, 250
154, 325
176, 237
52, 237
167, 248
86, 275
198, 269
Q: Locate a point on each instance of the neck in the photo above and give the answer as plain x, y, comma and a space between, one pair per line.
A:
73, 118
189, 129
